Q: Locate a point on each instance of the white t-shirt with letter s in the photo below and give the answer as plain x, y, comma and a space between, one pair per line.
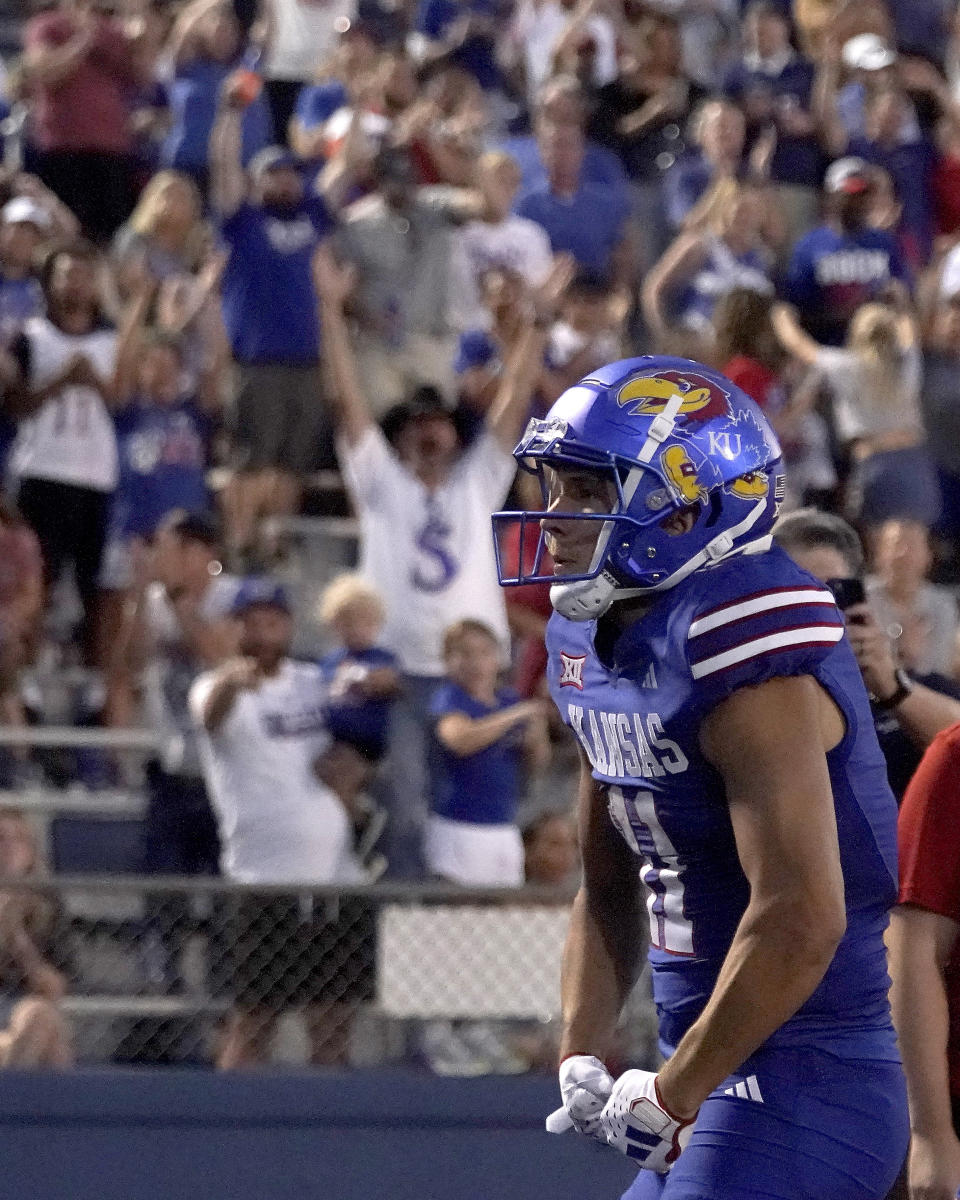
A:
429, 554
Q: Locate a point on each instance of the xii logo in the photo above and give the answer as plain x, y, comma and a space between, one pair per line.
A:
571, 670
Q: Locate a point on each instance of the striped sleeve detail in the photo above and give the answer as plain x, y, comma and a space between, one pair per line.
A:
778, 620
807, 635
760, 602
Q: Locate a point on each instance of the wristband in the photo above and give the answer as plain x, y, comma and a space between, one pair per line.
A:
896, 698
672, 1115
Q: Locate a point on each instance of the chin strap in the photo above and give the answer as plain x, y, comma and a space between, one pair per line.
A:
588, 599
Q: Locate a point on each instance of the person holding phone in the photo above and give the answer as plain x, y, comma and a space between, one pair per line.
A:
909, 709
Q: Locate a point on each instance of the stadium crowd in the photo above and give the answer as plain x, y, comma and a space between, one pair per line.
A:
246, 245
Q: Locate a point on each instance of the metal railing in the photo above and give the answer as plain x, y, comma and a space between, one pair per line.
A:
160, 969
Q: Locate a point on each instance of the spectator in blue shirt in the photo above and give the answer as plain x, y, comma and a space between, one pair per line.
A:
702, 266
163, 434
482, 734
562, 102
844, 262
271, 226
463, 32
773, 85
206, 50
580, 217
362, 678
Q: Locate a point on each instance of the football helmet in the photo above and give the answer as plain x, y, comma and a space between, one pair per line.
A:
670, 435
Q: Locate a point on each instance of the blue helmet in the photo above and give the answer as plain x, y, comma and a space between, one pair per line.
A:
673, 435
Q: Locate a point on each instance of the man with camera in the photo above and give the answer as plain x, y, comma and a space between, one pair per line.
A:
909, 710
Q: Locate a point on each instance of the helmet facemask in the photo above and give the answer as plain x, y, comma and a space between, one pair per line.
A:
626, 499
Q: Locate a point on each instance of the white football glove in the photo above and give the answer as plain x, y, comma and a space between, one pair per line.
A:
637, 1124
585, 1084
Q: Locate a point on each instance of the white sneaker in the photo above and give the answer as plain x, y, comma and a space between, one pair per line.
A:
447, 1053
488, 1043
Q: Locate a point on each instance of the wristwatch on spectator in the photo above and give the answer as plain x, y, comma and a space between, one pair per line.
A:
898, 695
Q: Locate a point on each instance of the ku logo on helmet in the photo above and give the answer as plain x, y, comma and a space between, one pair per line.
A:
650, 394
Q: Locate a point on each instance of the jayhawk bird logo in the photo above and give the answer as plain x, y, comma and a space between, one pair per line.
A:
649, 394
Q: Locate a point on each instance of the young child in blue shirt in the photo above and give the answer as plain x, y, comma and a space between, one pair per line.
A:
362, 678
484, 737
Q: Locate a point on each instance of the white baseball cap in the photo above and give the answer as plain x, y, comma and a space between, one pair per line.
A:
868, 52
850, 175
23, 210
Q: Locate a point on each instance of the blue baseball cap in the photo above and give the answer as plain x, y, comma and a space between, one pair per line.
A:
476, 349
258, 590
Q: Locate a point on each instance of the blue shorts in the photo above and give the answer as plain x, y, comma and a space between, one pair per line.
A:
796, 1125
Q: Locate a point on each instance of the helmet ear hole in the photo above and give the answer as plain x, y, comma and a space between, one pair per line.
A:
716, 505
682, 520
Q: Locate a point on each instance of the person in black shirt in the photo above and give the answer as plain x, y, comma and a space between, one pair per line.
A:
642, 116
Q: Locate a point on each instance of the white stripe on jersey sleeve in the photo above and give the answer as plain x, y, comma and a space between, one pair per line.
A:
810, 635
759, 604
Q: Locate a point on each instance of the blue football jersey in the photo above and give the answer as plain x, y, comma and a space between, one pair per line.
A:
749, 619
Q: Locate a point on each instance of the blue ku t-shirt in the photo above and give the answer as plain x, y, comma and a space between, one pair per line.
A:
831, 273
163, 457
269, 305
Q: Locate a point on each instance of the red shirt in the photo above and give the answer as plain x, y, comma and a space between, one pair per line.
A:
759, 382
90, 108
530, 653
928, 833
946, 194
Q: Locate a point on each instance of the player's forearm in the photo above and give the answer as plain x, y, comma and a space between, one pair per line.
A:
778, 956
918, 997
601, 960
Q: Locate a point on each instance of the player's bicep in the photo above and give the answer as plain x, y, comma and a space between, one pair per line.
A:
767, 742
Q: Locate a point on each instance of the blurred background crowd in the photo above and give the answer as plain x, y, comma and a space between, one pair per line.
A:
273, 270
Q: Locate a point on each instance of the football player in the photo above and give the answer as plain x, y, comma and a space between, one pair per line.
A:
726, 744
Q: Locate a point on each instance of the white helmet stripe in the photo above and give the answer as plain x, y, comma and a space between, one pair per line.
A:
661, 427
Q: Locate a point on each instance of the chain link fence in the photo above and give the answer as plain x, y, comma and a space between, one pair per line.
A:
204, 972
